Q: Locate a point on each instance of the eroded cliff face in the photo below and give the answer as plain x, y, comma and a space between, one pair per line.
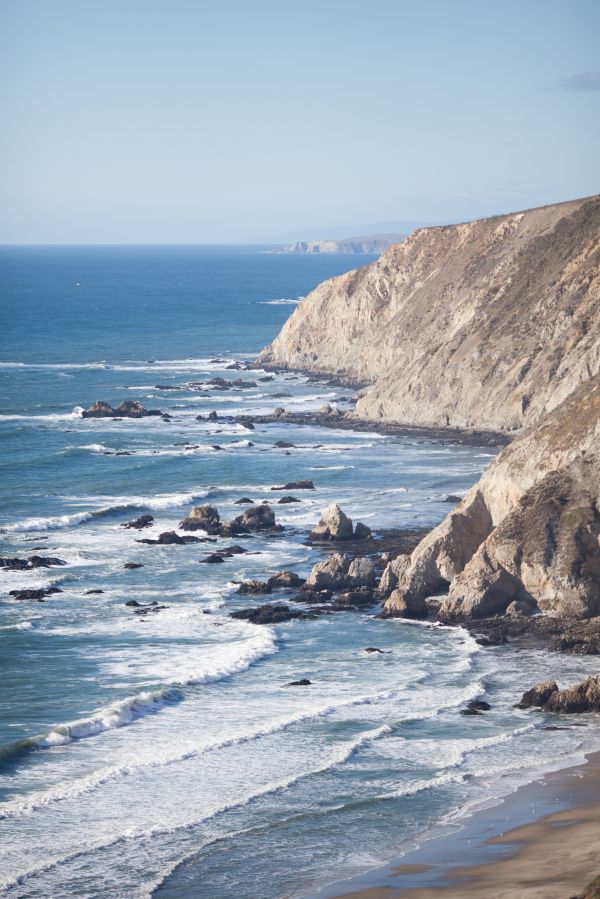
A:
528, 532
487, 325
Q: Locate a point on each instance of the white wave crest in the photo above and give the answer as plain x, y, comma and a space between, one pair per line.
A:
57, 522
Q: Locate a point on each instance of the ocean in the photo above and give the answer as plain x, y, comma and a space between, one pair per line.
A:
162, 754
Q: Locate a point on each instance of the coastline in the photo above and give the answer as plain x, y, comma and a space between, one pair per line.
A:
541, 841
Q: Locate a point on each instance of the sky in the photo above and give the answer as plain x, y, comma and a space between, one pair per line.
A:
186, 121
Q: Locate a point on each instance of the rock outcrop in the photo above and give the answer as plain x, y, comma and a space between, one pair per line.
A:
487, 324
528, 531
126, 409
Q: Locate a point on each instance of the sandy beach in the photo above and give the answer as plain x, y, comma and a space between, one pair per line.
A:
542, 842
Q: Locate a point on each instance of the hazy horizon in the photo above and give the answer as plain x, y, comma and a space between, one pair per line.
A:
142, 124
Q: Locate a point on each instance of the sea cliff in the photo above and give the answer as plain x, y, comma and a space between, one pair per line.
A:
488, 324
492, 324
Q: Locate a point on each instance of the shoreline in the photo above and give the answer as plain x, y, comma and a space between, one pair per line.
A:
541, 841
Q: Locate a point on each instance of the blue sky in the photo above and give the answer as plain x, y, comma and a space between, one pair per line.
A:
141, 121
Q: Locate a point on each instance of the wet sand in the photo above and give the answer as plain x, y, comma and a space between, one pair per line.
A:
541, 842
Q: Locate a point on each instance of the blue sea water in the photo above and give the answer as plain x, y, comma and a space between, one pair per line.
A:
163, 755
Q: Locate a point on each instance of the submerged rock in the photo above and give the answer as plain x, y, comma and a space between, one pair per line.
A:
132, 565
31, 562
170, 538
303, 682
35, 594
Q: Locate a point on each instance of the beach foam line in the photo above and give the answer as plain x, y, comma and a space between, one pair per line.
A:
90, 783
340, 757
57, 522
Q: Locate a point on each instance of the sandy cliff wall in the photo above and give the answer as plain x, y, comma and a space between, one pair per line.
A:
487, 324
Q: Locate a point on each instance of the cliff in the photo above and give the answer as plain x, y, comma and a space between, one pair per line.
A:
528, 532
375, 243
487, 324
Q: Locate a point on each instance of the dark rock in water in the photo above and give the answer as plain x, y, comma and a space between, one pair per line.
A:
133, 602
216, 446
45, 561
233, 550
92, 592
144, 521
268, 614
212, 559
127, 409
32, 562
469, 711
582, 697
149, 609
244, 501
132, 565
538, 695
280, 396
202, 518
278, 411
167, 387
285, 580
254, 587
296, 485
303, 682
248, 425
361, 531
288, 499
212, 416
452, 498
266, 378
257, 518
37, 595
170, 538
283, 444
479, 705
375, 649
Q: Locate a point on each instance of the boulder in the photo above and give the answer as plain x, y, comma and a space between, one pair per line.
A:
202, 518
212, 416
393, 573
330, 574
296, 485
132, 565
334, 525
244, 501
521, 608
212, 559
582, 697
405, 605
303, 682
325, 409
37, 595
257, 518
278, 411
361, 531
285, 580
288, 499
538, 695
362, 572
283, 444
